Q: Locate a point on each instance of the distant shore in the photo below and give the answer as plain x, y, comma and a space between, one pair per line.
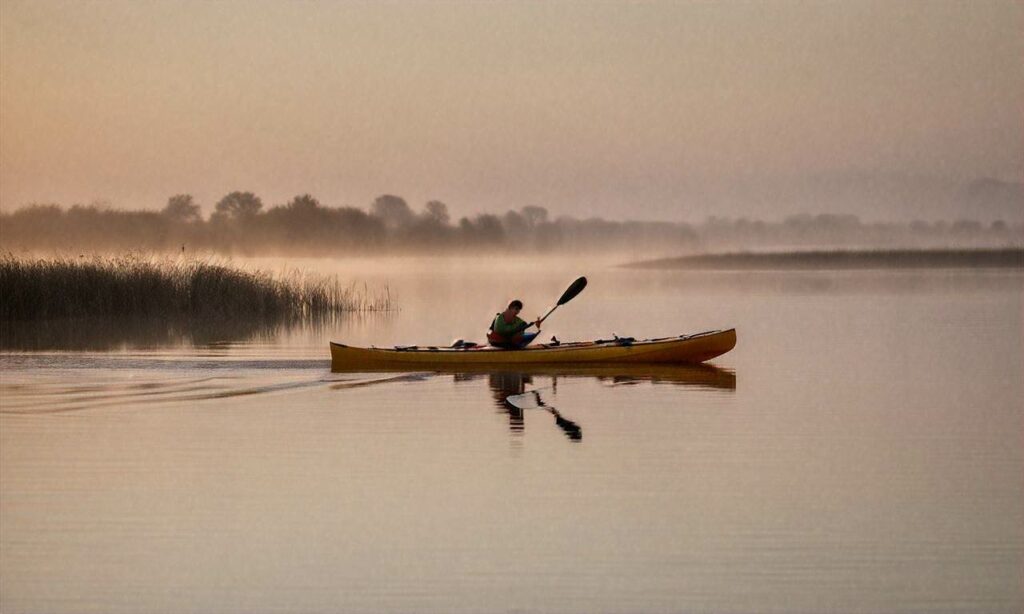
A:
1012, 258
240, 225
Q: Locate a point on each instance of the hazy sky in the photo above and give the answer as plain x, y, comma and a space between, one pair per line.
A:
668, 110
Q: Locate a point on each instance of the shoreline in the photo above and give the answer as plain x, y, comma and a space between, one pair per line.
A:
1003, 258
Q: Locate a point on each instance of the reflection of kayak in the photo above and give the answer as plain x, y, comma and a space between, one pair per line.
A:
696, 375
671, 350
512, 380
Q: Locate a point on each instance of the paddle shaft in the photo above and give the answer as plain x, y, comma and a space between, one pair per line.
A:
548, 313
570, 293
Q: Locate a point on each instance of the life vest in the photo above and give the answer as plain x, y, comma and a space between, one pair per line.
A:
498, 340
492, 336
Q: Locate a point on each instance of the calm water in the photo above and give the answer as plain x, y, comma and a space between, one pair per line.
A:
861, 450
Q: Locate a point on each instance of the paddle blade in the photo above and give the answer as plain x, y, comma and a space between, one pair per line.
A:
571, 292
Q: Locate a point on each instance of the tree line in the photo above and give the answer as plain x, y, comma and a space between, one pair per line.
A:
240, 224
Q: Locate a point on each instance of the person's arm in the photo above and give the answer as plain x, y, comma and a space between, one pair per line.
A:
521, 325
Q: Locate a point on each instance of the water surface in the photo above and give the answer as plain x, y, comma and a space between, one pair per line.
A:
859, 451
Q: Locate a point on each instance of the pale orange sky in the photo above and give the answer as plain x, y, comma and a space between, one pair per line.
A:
654, 110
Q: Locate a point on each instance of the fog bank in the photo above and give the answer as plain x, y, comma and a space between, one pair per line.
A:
304, 227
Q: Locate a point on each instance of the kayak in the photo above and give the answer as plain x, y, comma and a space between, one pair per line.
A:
685, 349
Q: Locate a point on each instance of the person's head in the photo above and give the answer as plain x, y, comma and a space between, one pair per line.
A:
515, 306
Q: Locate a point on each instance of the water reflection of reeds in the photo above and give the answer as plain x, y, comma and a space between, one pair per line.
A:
105, 334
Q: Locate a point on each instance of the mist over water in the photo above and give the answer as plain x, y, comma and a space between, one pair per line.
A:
858, 449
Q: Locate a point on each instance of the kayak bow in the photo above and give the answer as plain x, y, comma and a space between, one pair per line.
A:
671, 350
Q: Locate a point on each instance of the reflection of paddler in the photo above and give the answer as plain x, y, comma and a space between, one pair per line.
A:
504, 385
508, 330
507, 387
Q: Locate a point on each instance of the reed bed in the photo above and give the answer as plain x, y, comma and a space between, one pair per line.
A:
131, 286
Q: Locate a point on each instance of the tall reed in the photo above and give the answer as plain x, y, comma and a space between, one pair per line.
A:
38, 289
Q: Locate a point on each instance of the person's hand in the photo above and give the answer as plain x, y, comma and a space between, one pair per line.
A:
537, 323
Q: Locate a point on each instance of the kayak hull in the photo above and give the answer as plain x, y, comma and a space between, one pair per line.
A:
687, 349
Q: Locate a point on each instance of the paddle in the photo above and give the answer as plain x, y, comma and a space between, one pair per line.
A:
570, 293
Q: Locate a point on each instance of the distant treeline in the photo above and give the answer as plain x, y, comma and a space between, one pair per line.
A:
241, 225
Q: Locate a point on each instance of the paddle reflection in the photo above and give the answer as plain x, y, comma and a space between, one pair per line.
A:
511, 396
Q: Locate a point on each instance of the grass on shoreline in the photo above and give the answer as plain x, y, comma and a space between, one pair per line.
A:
41, 289
839, 259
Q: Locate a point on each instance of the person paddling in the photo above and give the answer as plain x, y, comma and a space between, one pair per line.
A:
508, 329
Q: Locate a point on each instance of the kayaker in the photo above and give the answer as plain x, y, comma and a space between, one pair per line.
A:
508, 329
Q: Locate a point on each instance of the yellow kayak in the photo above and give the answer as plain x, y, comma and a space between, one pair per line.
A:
670, 350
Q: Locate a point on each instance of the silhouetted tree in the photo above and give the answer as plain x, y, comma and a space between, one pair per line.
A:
514, 224
487, 229
361, 229
302, 225
393, 211
181, 208
535, 216
239, 206
303, 203
437, 212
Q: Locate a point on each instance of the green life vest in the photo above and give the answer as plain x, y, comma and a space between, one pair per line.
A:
506, 329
